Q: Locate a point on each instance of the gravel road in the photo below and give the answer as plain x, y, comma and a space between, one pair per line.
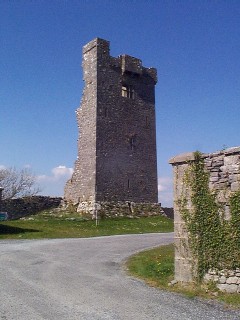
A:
84, 279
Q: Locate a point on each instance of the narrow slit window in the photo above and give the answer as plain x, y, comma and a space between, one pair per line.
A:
128, 184
132, 143
147, 122
128, 92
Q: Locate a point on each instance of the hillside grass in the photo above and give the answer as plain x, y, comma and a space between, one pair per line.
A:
156, 268
49, 225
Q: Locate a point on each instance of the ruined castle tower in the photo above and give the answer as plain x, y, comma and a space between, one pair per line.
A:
117, 133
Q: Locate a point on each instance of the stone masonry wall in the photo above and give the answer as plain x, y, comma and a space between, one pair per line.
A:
224, 169
226, 280
117, 135
18, 208
121, 209
81, 187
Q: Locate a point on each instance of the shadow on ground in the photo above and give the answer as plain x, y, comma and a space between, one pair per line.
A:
14, 230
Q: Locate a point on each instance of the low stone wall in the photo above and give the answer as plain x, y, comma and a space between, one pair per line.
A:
226, 280
168, 212
18, 208
224, 179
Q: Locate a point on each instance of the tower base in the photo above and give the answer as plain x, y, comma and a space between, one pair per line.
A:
119, 209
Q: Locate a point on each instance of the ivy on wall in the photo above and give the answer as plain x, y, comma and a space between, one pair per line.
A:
214, 242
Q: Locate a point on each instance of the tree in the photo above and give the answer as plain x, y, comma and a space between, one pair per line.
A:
18, 183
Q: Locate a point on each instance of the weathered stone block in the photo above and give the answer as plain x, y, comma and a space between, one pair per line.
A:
183, 271
222, 286
214, 179
214, 174
222, 279
231, 160
233, 178
235, 186
231, 288
233, 280
217, 163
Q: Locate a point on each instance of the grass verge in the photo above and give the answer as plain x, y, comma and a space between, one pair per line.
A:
48, 225
156, 268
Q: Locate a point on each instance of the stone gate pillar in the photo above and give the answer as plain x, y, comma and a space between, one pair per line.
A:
224, 180
183, 259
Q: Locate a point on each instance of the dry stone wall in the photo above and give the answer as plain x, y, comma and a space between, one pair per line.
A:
224, 172
18, 208
226, 280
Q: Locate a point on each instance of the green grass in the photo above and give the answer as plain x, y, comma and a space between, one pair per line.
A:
49, 225
156, 267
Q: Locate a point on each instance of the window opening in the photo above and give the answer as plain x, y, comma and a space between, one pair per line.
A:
128, 92
132, 143
128, 184
147, 122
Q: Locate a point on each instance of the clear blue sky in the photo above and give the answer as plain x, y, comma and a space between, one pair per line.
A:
195, 46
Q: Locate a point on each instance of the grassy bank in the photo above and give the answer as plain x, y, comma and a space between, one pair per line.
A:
48, 225
156, 267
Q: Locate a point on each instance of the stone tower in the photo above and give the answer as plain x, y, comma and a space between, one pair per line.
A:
117, 134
